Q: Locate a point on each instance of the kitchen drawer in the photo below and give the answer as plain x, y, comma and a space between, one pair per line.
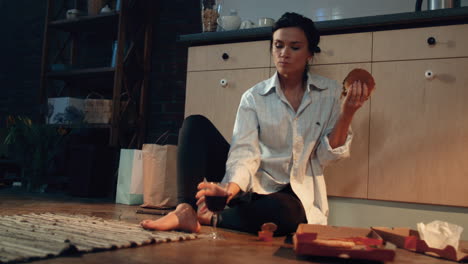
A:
207, 96
407, 44
254, 54
345, 48
358, 48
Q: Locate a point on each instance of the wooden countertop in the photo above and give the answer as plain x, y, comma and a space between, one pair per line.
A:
351, 25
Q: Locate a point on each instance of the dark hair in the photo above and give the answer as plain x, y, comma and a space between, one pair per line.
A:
306, 24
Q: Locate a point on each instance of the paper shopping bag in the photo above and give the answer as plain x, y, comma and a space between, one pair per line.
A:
130, 177
159, 176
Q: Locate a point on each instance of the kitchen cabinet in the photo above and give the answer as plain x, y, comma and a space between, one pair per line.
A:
207, 96
242, 55
409, 138
419, 132
418, 126
358, 48
421, 43
217, 77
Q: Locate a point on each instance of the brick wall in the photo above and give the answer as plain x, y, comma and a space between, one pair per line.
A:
22, 24
167, 91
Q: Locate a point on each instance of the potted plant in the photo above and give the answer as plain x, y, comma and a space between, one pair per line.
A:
34, 145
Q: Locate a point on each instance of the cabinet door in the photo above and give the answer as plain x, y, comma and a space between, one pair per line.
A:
348, 177
419, 132
207, 96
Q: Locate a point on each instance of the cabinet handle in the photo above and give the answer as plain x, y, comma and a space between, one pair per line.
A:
429, 75
431, 41
223, 83
225, 56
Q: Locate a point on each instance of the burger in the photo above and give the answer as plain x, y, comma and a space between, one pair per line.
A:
358, 75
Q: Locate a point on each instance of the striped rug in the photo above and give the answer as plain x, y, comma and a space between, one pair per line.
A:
35, 236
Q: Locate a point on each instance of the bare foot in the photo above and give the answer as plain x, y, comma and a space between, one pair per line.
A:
183, 218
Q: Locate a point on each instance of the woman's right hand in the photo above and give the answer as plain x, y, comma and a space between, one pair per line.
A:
233, 189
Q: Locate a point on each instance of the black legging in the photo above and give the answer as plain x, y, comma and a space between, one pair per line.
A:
202, 152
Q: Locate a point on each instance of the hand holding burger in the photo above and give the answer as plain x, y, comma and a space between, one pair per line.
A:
358, 75
357, 87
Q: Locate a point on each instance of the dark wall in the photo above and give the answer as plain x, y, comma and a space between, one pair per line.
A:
167, 94
21, 28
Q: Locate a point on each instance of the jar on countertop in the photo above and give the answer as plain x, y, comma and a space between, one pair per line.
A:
209, 15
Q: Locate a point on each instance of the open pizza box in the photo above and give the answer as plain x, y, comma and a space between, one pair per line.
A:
409, 239
341, 242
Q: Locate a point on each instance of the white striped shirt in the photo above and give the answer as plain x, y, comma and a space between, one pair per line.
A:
272, 145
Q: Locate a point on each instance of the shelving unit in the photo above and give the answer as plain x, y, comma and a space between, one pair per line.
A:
102, 72
125, 82
87, 23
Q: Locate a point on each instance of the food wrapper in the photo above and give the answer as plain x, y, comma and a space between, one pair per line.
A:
439, 234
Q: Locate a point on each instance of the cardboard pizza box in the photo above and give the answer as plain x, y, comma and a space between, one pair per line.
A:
334, 241
409, 239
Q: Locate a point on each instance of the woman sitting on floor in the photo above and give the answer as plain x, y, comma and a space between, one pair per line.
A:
287, 129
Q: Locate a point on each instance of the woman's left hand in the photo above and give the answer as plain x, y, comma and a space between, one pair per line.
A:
204, 187
358, 94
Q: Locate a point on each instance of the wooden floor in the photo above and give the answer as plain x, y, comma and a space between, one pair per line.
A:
237, 248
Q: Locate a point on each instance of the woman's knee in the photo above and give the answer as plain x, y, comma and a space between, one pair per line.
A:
195, 126
196, 120
290, 212
284, 210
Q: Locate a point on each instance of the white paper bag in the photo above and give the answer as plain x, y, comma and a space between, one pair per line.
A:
130, 177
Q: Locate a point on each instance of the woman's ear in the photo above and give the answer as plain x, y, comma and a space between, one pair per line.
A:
310, 59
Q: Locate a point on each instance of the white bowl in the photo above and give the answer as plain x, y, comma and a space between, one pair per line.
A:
229, 22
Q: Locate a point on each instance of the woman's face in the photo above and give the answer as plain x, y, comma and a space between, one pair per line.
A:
290, 50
